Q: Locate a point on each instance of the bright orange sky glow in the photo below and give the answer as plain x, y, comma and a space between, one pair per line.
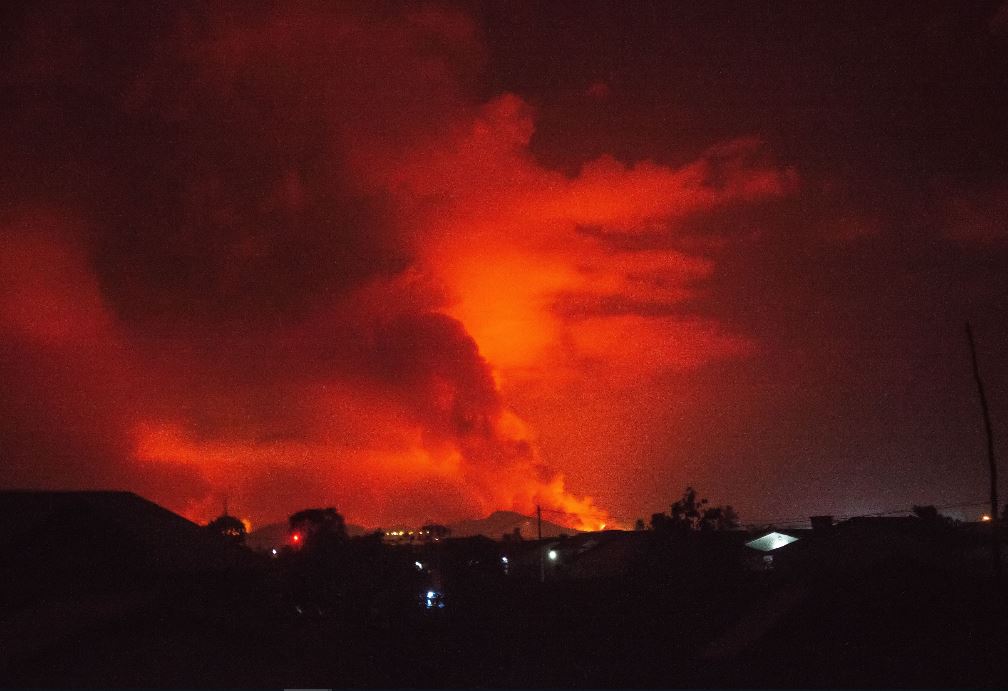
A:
420, 263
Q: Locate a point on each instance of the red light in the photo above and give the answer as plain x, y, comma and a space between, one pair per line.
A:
296, 537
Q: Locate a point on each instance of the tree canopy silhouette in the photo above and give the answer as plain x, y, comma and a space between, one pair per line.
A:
318, 527
692, 513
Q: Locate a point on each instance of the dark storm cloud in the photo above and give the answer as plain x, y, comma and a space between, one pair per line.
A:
213, 178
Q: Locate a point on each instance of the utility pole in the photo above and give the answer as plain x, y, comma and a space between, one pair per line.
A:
995, 547
542, 563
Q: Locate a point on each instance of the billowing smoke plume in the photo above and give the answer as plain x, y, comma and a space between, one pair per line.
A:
291, 257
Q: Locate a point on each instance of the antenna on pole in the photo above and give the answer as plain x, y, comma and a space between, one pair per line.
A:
542, 564
991, 460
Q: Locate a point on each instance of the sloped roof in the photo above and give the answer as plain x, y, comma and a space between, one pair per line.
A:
107, 527
771, 541
609, 554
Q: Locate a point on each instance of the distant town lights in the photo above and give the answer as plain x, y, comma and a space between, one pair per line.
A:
985, 518
552, 555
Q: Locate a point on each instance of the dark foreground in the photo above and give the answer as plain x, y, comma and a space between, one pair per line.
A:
897, 632
679, 611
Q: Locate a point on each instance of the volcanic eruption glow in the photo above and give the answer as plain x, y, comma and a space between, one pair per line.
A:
328, 310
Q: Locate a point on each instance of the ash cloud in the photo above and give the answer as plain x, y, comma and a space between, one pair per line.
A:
288, 254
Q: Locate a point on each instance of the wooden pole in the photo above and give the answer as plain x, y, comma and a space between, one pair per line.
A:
542, 562
991, 460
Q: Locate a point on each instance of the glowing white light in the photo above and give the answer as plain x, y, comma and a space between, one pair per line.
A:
504, 560
430, 594
419, 566
274, 550
985, 518
771, 541
552, 555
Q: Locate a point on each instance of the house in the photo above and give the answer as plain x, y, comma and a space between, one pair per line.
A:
871, 601
76, 561
763, 548
90, 530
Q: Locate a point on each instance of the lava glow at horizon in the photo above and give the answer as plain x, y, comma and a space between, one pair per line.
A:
303, 256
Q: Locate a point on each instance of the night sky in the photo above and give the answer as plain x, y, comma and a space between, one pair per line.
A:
425, 261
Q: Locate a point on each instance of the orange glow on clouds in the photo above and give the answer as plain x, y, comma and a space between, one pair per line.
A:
507, 237
47, 292
391, 395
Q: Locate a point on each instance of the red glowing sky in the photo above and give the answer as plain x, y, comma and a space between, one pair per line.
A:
428, 261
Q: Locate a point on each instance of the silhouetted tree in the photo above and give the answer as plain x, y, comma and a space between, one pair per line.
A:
931, 516
730, 519
333, 574
719, 518
318, 527
692, 513
228, 526
688, 510
639, 524
926, 513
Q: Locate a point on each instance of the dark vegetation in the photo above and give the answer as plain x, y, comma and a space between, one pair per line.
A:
691, 513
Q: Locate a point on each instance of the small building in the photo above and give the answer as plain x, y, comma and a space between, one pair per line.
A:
74, 561
765, 545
